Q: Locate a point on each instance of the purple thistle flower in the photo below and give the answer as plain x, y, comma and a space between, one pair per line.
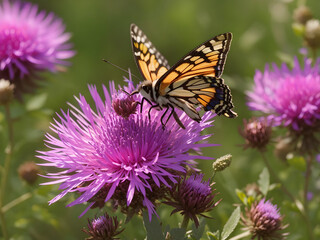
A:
264, 221
30, 42
289, 97
192, 196
101, 150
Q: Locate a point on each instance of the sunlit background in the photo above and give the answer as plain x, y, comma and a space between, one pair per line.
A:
262, 33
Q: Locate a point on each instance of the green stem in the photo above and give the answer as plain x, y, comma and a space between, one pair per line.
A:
6, 169
240, 236
185, 222
16, 201
314, 55
305, 194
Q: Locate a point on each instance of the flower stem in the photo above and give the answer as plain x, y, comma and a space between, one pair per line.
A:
240, 236
6, 169
16, 201
185, 222
305, 194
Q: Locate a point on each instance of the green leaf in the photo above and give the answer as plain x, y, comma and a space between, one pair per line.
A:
175, 234
36, 102
264, 181
198, 232
297, 162
214, 236
231, 224
153, 228
242, 196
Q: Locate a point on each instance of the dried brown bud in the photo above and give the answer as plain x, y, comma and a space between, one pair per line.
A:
29, 171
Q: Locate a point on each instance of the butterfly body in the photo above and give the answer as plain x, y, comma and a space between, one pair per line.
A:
193, 81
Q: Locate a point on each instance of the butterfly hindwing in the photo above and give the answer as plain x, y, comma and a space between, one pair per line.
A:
209, 92
150, 61
208, 59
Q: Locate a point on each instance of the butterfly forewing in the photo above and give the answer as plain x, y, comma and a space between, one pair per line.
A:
150, 61
206, 60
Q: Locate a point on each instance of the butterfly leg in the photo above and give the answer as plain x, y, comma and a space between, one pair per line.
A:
142, 101
149, 112
164, 124
175, 115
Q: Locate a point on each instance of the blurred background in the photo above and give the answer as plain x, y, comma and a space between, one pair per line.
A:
262, 33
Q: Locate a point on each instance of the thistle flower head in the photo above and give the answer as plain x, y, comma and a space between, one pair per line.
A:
30, 42
192, 196
103, 228
291, 98
264, 221
119, 157
288, 97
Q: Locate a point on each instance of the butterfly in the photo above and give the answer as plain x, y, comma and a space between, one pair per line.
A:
193, 81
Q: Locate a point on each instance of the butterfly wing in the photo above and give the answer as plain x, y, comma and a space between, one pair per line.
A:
208, 59
195, 79
209, 92
150, 61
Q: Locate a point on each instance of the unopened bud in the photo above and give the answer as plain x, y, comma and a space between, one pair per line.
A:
302, 14
312, 33
6, 91
29, 171
222, 163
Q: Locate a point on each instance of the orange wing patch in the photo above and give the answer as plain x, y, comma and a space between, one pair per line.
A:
151, 63
206, 60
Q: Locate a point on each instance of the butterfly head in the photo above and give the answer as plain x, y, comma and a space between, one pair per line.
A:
145, 88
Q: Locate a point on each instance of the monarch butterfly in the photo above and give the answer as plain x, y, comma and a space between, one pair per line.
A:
193, 81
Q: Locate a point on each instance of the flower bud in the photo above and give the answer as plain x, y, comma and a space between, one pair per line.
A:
222, 163
29, 171
192, 197
302, 14
312, 33
104, 227
256, 132
6, 91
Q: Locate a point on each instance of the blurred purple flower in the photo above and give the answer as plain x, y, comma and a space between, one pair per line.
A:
30, 41
98, 148
289, 97
264, 221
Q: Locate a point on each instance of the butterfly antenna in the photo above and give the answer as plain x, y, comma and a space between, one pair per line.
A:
121, 68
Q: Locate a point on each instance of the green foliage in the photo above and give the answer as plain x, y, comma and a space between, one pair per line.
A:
231, 224
264, 181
